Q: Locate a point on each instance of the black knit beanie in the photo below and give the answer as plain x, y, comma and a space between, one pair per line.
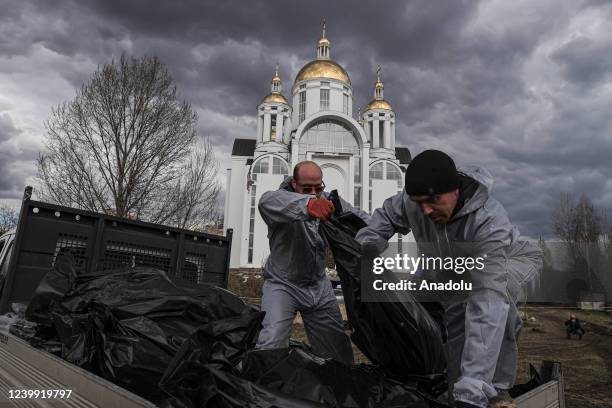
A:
431, 172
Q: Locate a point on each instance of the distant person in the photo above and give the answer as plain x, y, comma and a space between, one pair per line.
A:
294, 274
572, 326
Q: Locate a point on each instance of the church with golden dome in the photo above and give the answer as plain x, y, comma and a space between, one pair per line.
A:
357, 154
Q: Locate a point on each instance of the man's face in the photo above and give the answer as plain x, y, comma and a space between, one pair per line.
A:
439, 208
310, 180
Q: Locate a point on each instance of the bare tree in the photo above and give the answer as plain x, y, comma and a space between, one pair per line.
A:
584, 229
8, 218
125, 145
192, 199
578, 222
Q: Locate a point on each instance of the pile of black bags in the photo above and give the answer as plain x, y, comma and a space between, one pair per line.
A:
128, 325
192, 346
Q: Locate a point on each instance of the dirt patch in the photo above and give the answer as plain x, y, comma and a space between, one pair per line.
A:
246, 283
586, 363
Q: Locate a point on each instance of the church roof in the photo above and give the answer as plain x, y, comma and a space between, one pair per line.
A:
323, 69
244, 147
379, 104
403, 155
275, 98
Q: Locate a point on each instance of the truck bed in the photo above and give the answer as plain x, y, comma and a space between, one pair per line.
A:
97, 243
26, 368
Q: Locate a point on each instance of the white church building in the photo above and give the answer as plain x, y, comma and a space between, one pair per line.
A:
358, 156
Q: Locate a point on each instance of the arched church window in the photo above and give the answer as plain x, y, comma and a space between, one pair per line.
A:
261, 166
376, 171
393, 173
329, 136
279, 166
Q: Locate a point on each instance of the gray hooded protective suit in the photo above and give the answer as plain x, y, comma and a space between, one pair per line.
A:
482, 329
295, 276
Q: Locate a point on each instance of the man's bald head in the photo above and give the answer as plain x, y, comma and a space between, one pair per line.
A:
306, 166
307, 178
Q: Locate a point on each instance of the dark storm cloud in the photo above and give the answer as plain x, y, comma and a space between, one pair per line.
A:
7, 127
7, 132
585, 61
15, 160
243, 43
521, 88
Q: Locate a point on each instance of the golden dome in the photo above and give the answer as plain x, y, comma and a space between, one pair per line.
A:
323, 69
379, 104
275, 98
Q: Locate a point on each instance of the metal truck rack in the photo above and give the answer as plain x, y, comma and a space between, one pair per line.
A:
101, 242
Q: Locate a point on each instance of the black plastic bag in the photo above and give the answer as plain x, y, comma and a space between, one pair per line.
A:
192, 347
299, 373
291, 377
398, 335
127, 325
225, 390
51, 290
206, 371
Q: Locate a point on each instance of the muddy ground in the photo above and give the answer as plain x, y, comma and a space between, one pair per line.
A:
586, 363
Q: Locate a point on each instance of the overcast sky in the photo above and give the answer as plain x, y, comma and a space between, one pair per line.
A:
520, 87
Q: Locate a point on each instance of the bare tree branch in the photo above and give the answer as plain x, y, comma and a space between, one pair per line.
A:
126, 145
8, 218
585, 231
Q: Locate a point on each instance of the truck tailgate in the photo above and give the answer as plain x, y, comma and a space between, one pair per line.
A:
550, 394
545, 396
24, 367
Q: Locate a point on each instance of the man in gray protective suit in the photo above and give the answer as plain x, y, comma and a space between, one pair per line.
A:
294, 274
441, 205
